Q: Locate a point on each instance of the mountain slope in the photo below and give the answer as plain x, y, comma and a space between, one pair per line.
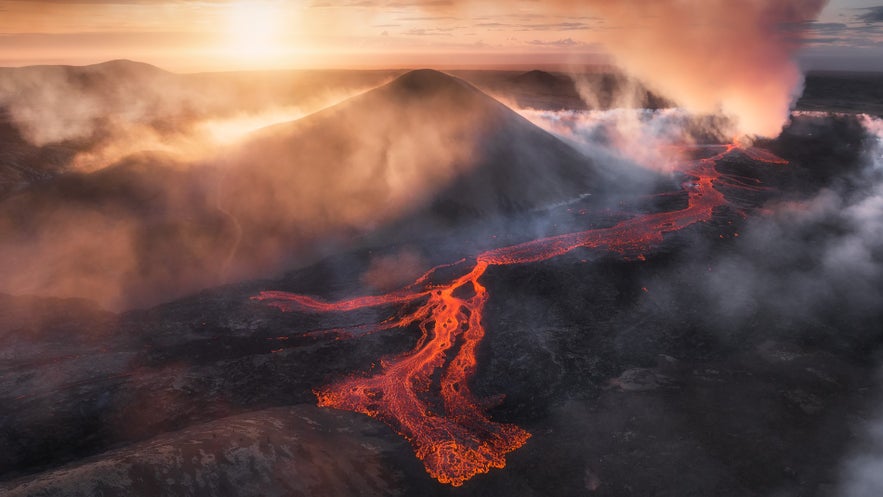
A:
426, 147
58, 119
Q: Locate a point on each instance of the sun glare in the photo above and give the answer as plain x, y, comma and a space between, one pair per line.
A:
254, 30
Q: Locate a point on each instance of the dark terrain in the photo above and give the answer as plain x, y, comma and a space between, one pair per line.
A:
664, 377
843, 92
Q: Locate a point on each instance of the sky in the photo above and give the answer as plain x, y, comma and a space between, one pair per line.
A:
208, 35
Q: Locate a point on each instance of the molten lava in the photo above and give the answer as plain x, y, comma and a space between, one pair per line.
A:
424, 394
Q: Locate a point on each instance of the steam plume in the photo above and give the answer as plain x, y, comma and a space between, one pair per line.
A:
709, 56
713, 55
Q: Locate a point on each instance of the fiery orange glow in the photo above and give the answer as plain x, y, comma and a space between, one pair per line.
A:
424, 394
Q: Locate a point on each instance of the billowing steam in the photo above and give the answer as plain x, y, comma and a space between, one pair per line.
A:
649, 138
816, 255
856, 260
109, 177
153, 226
713, 56
809, 271
709, 56
109, 111
860, 474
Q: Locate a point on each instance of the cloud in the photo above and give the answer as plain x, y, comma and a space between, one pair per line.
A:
808, 269
565, 42
422, 3
133, 214
710, 56
626, 136
860, 474
427, 18
812, 259
428, 32
873, 14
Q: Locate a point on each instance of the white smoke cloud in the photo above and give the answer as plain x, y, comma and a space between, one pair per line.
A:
650, 138
862, 475
862, 471
735, 59
112, 110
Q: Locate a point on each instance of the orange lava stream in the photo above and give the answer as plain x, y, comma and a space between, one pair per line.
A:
424, 394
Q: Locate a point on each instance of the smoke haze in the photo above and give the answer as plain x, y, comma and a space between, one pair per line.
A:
145, 227
108, 111
709, 56
735, 340
652, 139
714, 56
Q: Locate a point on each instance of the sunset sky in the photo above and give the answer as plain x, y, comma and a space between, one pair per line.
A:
186, 36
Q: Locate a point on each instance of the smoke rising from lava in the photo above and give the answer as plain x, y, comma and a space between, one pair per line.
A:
860, 473
808, 271
648, 138
709, 56
713, 56
842, 232
815, 258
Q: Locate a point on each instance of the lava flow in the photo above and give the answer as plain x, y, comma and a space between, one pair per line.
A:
424, 394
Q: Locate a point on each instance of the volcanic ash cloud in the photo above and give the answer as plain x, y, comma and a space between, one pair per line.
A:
710, 56
734, 58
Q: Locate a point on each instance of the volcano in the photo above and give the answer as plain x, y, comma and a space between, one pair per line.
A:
425, 140
428, 144
427, 147
541, 342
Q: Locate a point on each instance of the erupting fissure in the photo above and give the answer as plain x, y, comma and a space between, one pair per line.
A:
424, 394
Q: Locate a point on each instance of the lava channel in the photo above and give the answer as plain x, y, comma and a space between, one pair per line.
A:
424, 394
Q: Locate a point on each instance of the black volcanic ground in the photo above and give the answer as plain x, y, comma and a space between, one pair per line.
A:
722, 365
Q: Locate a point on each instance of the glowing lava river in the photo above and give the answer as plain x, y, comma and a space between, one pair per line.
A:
424, 394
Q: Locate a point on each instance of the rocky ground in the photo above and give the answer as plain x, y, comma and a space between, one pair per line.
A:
211, 396
680, 375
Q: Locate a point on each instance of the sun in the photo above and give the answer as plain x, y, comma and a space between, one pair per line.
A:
254, 29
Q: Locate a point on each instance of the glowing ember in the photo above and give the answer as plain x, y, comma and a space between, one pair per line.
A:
424, 395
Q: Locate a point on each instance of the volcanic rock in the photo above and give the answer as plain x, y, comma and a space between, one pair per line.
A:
300, 450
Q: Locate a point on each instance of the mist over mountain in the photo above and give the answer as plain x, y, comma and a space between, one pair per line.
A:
60, 119
602, 89
152, 227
